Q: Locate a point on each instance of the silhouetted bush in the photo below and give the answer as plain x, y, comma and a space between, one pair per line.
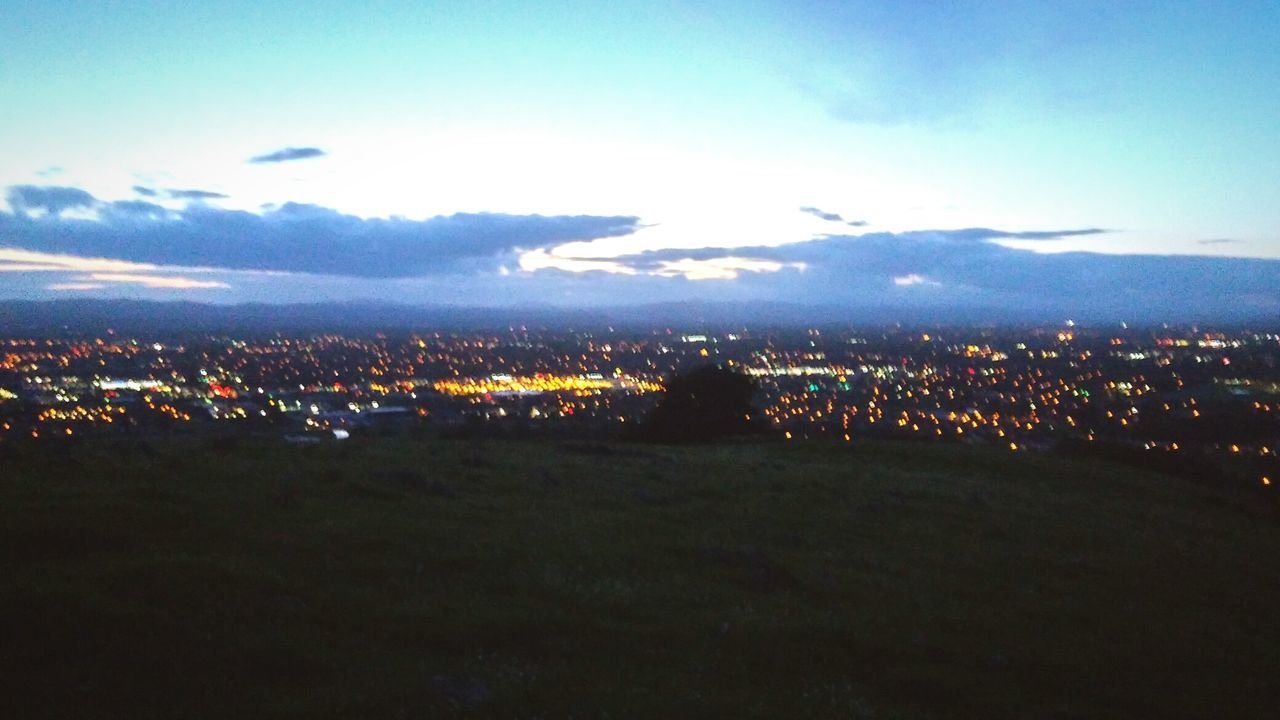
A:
707, 403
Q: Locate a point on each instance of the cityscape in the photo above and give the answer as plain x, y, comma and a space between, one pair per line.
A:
866, 359
1184, 392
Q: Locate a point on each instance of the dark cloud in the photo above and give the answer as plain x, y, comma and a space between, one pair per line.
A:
980, 234
133, 208
966, 268
195, 194
177, 194
1219, 241
832, 217
882, 248
287, 154
52, 199
822, 214
293, 237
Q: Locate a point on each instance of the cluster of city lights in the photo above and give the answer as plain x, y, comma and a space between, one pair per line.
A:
543, 383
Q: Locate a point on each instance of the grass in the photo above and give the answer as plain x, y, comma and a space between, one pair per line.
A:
390, 578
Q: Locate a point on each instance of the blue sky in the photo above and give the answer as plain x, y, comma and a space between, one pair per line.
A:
605, 153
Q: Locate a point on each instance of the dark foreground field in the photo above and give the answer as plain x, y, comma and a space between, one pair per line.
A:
390, 579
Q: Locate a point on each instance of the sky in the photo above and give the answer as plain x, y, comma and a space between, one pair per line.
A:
1072, 157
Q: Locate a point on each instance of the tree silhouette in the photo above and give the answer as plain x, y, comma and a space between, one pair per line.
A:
706, 403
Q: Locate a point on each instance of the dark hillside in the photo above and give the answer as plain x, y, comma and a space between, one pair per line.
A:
497, 579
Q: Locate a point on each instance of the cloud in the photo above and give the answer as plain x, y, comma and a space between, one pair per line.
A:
293, 237
821, 214
164, 282
51, 198
874, 277
299, 252
1219, 241
884, 249
134, 207
913, 279
177, 194
988, 234
96, 273
832, 217
287, 154
722, 268
17, 260
195, 195
970, 268
689, 268
980, 234
540, 259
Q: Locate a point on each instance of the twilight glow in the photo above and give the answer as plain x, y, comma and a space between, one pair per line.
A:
1075, 157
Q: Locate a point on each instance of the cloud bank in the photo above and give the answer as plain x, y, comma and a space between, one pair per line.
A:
52, 199
969, 268
292, 237
63, 240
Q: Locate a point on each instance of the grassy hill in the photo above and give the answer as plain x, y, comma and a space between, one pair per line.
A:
389, 578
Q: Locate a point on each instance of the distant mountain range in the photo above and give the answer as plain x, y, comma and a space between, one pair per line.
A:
19, 317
